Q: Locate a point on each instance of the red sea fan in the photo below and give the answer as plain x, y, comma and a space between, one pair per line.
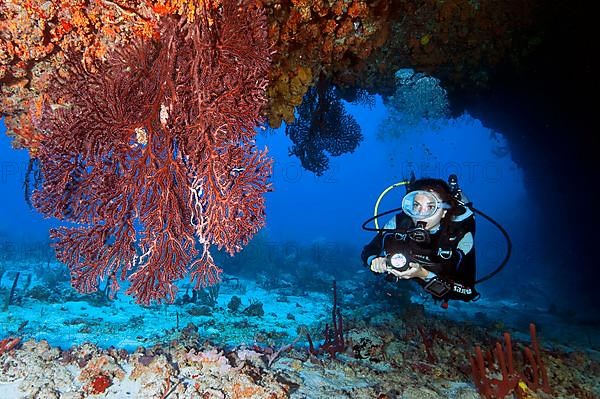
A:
151, 158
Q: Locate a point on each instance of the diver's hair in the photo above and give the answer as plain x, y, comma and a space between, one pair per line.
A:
441, 188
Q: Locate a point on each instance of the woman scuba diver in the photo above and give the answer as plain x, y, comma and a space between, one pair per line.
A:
430, 241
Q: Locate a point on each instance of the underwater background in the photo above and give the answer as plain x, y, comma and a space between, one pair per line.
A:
296, 314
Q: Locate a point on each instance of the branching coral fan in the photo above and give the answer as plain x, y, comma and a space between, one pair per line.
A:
35, 35
322, 125
153, 155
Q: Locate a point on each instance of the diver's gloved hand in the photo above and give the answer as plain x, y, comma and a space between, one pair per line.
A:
415, 270
379, 264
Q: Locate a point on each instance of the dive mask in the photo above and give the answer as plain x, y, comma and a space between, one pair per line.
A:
422, 204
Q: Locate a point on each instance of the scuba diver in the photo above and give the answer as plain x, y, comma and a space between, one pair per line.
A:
431, 241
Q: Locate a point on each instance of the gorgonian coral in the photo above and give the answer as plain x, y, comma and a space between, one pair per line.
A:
34, 35
152, 157
322, 126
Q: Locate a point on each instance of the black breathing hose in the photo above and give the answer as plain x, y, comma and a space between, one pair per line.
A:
508, 246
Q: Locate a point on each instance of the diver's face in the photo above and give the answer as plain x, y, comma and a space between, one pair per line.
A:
424, 204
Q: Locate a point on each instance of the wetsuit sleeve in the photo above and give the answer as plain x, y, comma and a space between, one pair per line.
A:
372, 249
465, 272
375, 247
457, 263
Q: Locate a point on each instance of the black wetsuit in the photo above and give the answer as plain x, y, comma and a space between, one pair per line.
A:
452, 263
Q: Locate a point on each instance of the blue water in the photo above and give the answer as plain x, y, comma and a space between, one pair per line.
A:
332, 207
317, 219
